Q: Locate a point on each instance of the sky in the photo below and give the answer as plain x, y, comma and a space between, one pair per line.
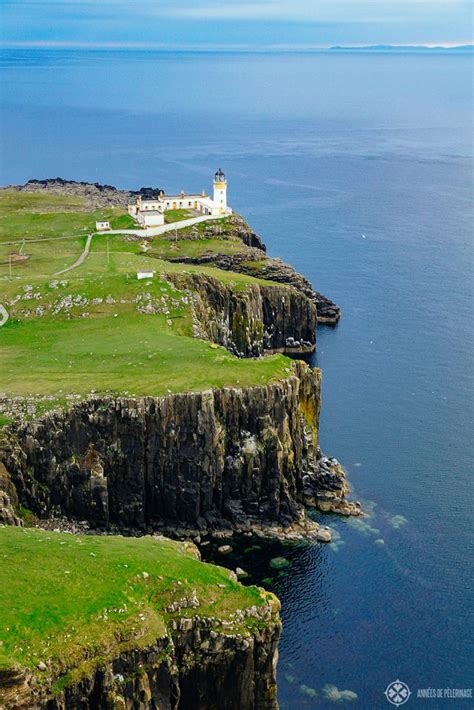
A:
234, 23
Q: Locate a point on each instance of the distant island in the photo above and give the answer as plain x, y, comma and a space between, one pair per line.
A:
403, 48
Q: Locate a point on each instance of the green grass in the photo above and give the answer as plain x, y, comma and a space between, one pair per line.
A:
125, 257
115, 348
123, 221
223, 224
65, 598
117, 242
133, 353
43, 226
45, 216
177, 215
13, 201
170, 249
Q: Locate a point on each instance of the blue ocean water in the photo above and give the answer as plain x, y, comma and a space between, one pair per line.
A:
357, 169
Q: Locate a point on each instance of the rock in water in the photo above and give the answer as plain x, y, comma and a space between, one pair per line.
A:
324, 535
279, 563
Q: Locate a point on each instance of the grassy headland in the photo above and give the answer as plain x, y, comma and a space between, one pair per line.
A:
98, 328
95, 593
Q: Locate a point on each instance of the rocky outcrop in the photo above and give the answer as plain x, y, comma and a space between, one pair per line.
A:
8, 500
235, 227
253, 263
250, 322
198, 662
213, 459
95, 195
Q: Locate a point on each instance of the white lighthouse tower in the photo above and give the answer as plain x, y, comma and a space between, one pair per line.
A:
220, 192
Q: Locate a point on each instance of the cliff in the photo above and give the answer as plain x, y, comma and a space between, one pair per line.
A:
155, 628
260, 319
251, 259
225, 458
192, 667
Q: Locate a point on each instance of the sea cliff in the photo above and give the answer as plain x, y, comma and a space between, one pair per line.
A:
265, 318
133, 623
226, 458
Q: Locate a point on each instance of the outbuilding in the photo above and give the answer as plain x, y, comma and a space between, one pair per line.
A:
151, 218
102, 226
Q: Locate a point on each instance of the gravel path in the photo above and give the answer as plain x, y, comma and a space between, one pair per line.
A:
81, 259
3, 315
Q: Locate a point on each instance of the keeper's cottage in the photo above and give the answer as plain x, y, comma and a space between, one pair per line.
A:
149, 209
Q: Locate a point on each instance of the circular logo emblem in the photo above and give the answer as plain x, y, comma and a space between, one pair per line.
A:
397, 693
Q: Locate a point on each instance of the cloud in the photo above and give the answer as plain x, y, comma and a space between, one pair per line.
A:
231, 10
259, 23
303, 10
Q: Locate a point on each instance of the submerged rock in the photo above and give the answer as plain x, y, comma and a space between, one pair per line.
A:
309, 692
279, 563
332, 693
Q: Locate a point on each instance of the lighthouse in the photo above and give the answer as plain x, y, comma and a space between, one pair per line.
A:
220, 191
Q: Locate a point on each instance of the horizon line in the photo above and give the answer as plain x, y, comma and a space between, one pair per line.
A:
59, 44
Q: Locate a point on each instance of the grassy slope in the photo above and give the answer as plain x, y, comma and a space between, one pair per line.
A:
136, 354
115, 348
80, 583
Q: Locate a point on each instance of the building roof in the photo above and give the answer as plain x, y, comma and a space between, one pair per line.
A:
183, 196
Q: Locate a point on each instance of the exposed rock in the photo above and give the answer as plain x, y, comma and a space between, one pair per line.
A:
324, 535
174, 459
251, 322
220, 460
254, 262
8, 500
194, 666
95, 195
224, 549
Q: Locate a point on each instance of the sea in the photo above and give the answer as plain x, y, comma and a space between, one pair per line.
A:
357, 169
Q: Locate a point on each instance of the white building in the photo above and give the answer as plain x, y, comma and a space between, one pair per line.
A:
102, 226
150, 218
150, 211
